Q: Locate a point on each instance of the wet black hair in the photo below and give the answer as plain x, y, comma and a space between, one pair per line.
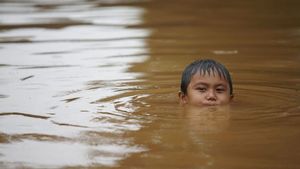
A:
204, 66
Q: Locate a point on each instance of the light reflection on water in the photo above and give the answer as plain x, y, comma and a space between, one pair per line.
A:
53, 80
68, 154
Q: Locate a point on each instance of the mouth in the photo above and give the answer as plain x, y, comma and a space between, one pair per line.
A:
210, 104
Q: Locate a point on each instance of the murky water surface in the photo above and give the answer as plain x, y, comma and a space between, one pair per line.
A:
93, 84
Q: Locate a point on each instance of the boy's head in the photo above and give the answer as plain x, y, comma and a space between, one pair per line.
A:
206, 82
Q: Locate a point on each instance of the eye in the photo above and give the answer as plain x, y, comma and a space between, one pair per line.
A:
201, 89
220, 90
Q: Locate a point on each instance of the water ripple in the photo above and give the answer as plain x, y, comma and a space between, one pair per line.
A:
266, 102
24, 114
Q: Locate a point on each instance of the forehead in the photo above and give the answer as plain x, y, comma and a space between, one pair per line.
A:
213, 78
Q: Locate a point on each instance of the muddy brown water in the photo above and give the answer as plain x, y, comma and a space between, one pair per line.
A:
93, 84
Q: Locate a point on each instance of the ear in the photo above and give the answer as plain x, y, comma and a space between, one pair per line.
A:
182, 98
231, 97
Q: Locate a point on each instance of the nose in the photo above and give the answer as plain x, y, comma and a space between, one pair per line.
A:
211, 95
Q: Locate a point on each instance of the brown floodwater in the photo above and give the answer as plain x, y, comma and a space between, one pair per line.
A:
93, 84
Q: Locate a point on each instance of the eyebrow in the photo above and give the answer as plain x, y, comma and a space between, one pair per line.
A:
206, 84
201, 83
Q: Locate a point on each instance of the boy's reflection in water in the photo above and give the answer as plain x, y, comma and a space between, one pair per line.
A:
207, 120
205, 94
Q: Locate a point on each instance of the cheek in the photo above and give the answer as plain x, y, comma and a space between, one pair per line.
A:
195, 97
224, 98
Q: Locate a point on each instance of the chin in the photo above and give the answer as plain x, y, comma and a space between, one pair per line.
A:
210, 104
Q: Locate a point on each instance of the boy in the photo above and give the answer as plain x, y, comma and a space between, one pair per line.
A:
205, 83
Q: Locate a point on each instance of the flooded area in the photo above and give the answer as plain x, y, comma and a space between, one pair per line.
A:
94, 84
